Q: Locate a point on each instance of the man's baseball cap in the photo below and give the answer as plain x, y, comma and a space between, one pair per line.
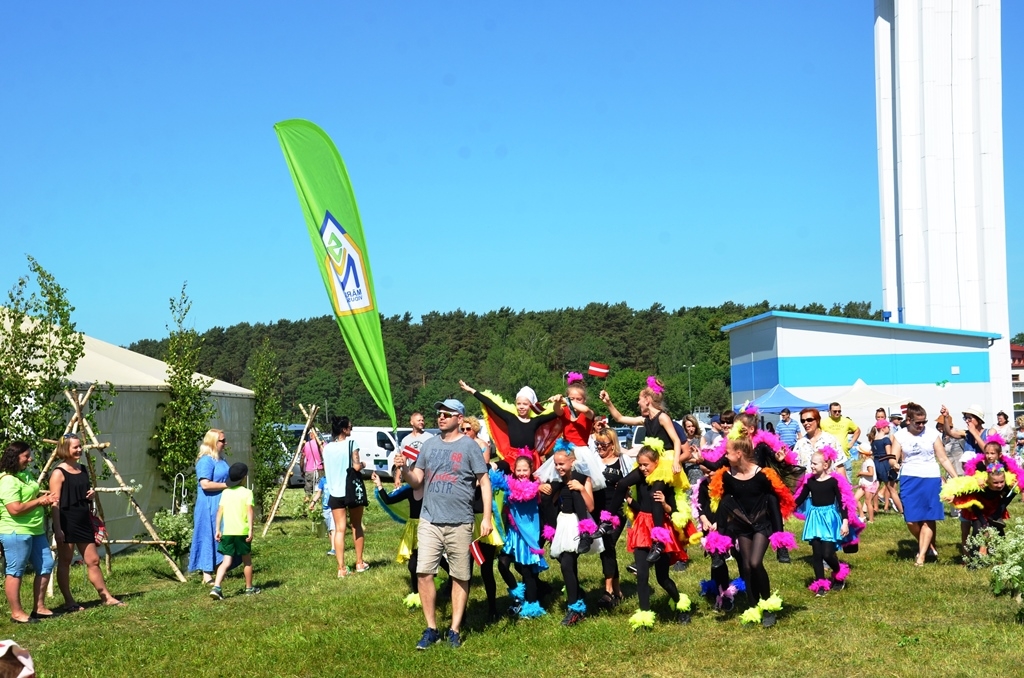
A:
715, 419
452, 405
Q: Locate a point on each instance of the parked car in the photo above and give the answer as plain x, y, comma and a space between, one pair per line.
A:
625, 434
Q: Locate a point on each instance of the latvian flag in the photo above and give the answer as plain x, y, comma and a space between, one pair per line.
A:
598, 370
410, 452
476, 552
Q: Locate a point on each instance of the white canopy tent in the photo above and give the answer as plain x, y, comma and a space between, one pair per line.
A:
860, 401
141, 385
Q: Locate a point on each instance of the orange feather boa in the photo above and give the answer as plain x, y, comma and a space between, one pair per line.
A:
786, 503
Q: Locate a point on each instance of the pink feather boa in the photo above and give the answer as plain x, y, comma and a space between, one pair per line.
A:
820, 585
587, 526
607, 517
768, 438
521, 491
695, 499
972, 466
661, 534
548, 533
716, 452
783, 540
843, 573
716, 542
996, 438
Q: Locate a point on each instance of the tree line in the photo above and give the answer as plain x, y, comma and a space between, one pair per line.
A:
500, 350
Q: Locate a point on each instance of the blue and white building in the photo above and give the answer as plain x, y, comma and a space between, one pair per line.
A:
818, 358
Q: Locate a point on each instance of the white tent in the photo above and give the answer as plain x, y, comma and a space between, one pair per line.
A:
860, 396
141, 385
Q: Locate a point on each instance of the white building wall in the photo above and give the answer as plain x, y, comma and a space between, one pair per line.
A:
939, 112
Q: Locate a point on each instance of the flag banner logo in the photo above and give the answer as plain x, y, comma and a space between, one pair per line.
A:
598, 370
339, 248
477, 552
410, 453
349, 293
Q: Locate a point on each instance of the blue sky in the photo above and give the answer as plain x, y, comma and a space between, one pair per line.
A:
531, 155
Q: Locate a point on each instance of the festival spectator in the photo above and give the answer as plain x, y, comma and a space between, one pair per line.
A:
919, 453
691, 427
343, 469
815, 439
470, 427
72, 522
973, 436
885, 468
896, 419
212, 476
844, 431
713, 434
787, 429
448, 469
312, 461
234, 521
413, 440
23, 532
1004, 429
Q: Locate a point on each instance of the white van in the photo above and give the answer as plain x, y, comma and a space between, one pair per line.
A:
376, 446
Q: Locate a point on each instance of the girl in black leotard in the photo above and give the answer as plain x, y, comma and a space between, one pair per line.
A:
655, 420
739, 497
656, 486
826, 524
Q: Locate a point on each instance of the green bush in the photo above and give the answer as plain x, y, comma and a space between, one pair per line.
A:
177, 528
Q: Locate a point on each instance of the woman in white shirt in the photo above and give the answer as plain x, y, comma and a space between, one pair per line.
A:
816, 440
919, 454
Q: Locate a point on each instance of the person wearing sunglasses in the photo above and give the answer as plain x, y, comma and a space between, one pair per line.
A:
919, 454
471, 427
973, 432
448, 469
844, 430
815, 439
212, 476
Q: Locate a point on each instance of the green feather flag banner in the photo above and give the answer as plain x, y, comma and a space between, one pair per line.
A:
332, 218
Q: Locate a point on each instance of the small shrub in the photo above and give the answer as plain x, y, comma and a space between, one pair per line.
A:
177, 528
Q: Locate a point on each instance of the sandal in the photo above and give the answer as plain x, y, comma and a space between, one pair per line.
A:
342, 573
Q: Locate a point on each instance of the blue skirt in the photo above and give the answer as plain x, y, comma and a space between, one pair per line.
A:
920, 497
822, 522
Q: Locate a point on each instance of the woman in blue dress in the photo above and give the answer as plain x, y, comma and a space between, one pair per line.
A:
212, 474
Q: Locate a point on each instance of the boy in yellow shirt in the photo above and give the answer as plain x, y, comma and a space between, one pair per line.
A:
235, 539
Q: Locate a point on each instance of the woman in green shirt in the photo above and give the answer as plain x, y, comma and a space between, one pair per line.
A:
23, 532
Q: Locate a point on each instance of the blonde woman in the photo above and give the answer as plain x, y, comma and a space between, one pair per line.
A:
72, 522
470, 426
212, 476
616, 467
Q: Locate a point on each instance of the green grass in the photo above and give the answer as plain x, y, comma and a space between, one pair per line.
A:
892, 620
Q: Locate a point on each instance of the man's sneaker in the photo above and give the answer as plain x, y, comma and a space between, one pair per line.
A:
430, 636
253, 590
572, 618
586, 541
216, 593
782, 555
453, 638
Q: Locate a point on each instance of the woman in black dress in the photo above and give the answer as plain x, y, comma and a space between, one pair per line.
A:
72, 524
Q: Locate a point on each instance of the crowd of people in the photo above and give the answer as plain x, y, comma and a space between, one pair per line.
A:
549, 484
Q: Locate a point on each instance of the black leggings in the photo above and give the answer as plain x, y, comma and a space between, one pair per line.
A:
530, 581
774, 514
643, 576
609, 562
414, 579
570, 576
490, 551
823, 552
751, 550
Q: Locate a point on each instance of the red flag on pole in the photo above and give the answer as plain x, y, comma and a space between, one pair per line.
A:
598, 370
476, 552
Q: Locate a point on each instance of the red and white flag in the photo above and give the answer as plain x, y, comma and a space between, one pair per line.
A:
476, 552
410, 452
598, 370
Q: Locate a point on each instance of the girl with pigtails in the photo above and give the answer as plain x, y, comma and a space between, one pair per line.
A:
655, 419
660, 493
738, 497
829, 510
522, 536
